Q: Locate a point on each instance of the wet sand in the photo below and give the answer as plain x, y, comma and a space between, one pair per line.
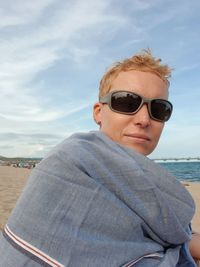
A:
12, 181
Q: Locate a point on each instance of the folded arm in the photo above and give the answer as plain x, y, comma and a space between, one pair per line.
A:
194, 245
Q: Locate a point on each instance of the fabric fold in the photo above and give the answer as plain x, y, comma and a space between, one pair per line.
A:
93, 202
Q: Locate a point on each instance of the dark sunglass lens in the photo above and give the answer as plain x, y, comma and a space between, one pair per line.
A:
125, 102
161, 109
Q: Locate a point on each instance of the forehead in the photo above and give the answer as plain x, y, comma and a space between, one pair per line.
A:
145, 83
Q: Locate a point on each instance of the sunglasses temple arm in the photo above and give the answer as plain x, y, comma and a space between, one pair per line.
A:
104, 99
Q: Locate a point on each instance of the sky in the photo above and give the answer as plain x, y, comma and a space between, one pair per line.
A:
54, 53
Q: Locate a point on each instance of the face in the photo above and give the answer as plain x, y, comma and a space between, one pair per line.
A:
137, 131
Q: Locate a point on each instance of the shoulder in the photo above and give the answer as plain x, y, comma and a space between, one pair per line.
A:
71, 149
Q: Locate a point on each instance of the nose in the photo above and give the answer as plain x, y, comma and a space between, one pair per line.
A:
142, 117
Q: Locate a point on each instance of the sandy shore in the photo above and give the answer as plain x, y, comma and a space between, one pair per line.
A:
13, 179
194, 189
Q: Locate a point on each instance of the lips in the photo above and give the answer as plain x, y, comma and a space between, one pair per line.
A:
138, 136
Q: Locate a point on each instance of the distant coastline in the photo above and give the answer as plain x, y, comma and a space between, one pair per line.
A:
168, 160
19, 162
28, 161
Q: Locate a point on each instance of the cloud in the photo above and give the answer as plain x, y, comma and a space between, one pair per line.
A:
14, 136
35, 49
27, 144
47, 116
178, 140
187, 68
36, 38
21, 13
5, 147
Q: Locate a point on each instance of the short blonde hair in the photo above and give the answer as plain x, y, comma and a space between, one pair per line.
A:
143, 61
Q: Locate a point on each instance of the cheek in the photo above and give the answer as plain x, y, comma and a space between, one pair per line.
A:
158, 128
112, 121
106, 118
155, 133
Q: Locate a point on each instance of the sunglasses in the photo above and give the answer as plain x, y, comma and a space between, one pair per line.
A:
129, 103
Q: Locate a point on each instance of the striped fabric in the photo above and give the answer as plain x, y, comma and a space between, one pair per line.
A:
27, 248
152, 255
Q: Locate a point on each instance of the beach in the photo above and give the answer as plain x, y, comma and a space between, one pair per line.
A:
194, 189
12, 181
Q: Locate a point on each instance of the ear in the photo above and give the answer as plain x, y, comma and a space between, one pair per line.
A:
97, 112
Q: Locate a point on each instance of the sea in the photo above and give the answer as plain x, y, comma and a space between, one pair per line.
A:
184, 171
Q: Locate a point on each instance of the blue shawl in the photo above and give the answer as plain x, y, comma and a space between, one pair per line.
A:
93, 202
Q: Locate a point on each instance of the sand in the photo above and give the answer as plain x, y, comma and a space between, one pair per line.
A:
12, 181
194, 189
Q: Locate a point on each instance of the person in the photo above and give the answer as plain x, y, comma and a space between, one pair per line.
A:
97, 199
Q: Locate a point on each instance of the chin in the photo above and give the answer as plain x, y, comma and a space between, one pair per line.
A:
143, 151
